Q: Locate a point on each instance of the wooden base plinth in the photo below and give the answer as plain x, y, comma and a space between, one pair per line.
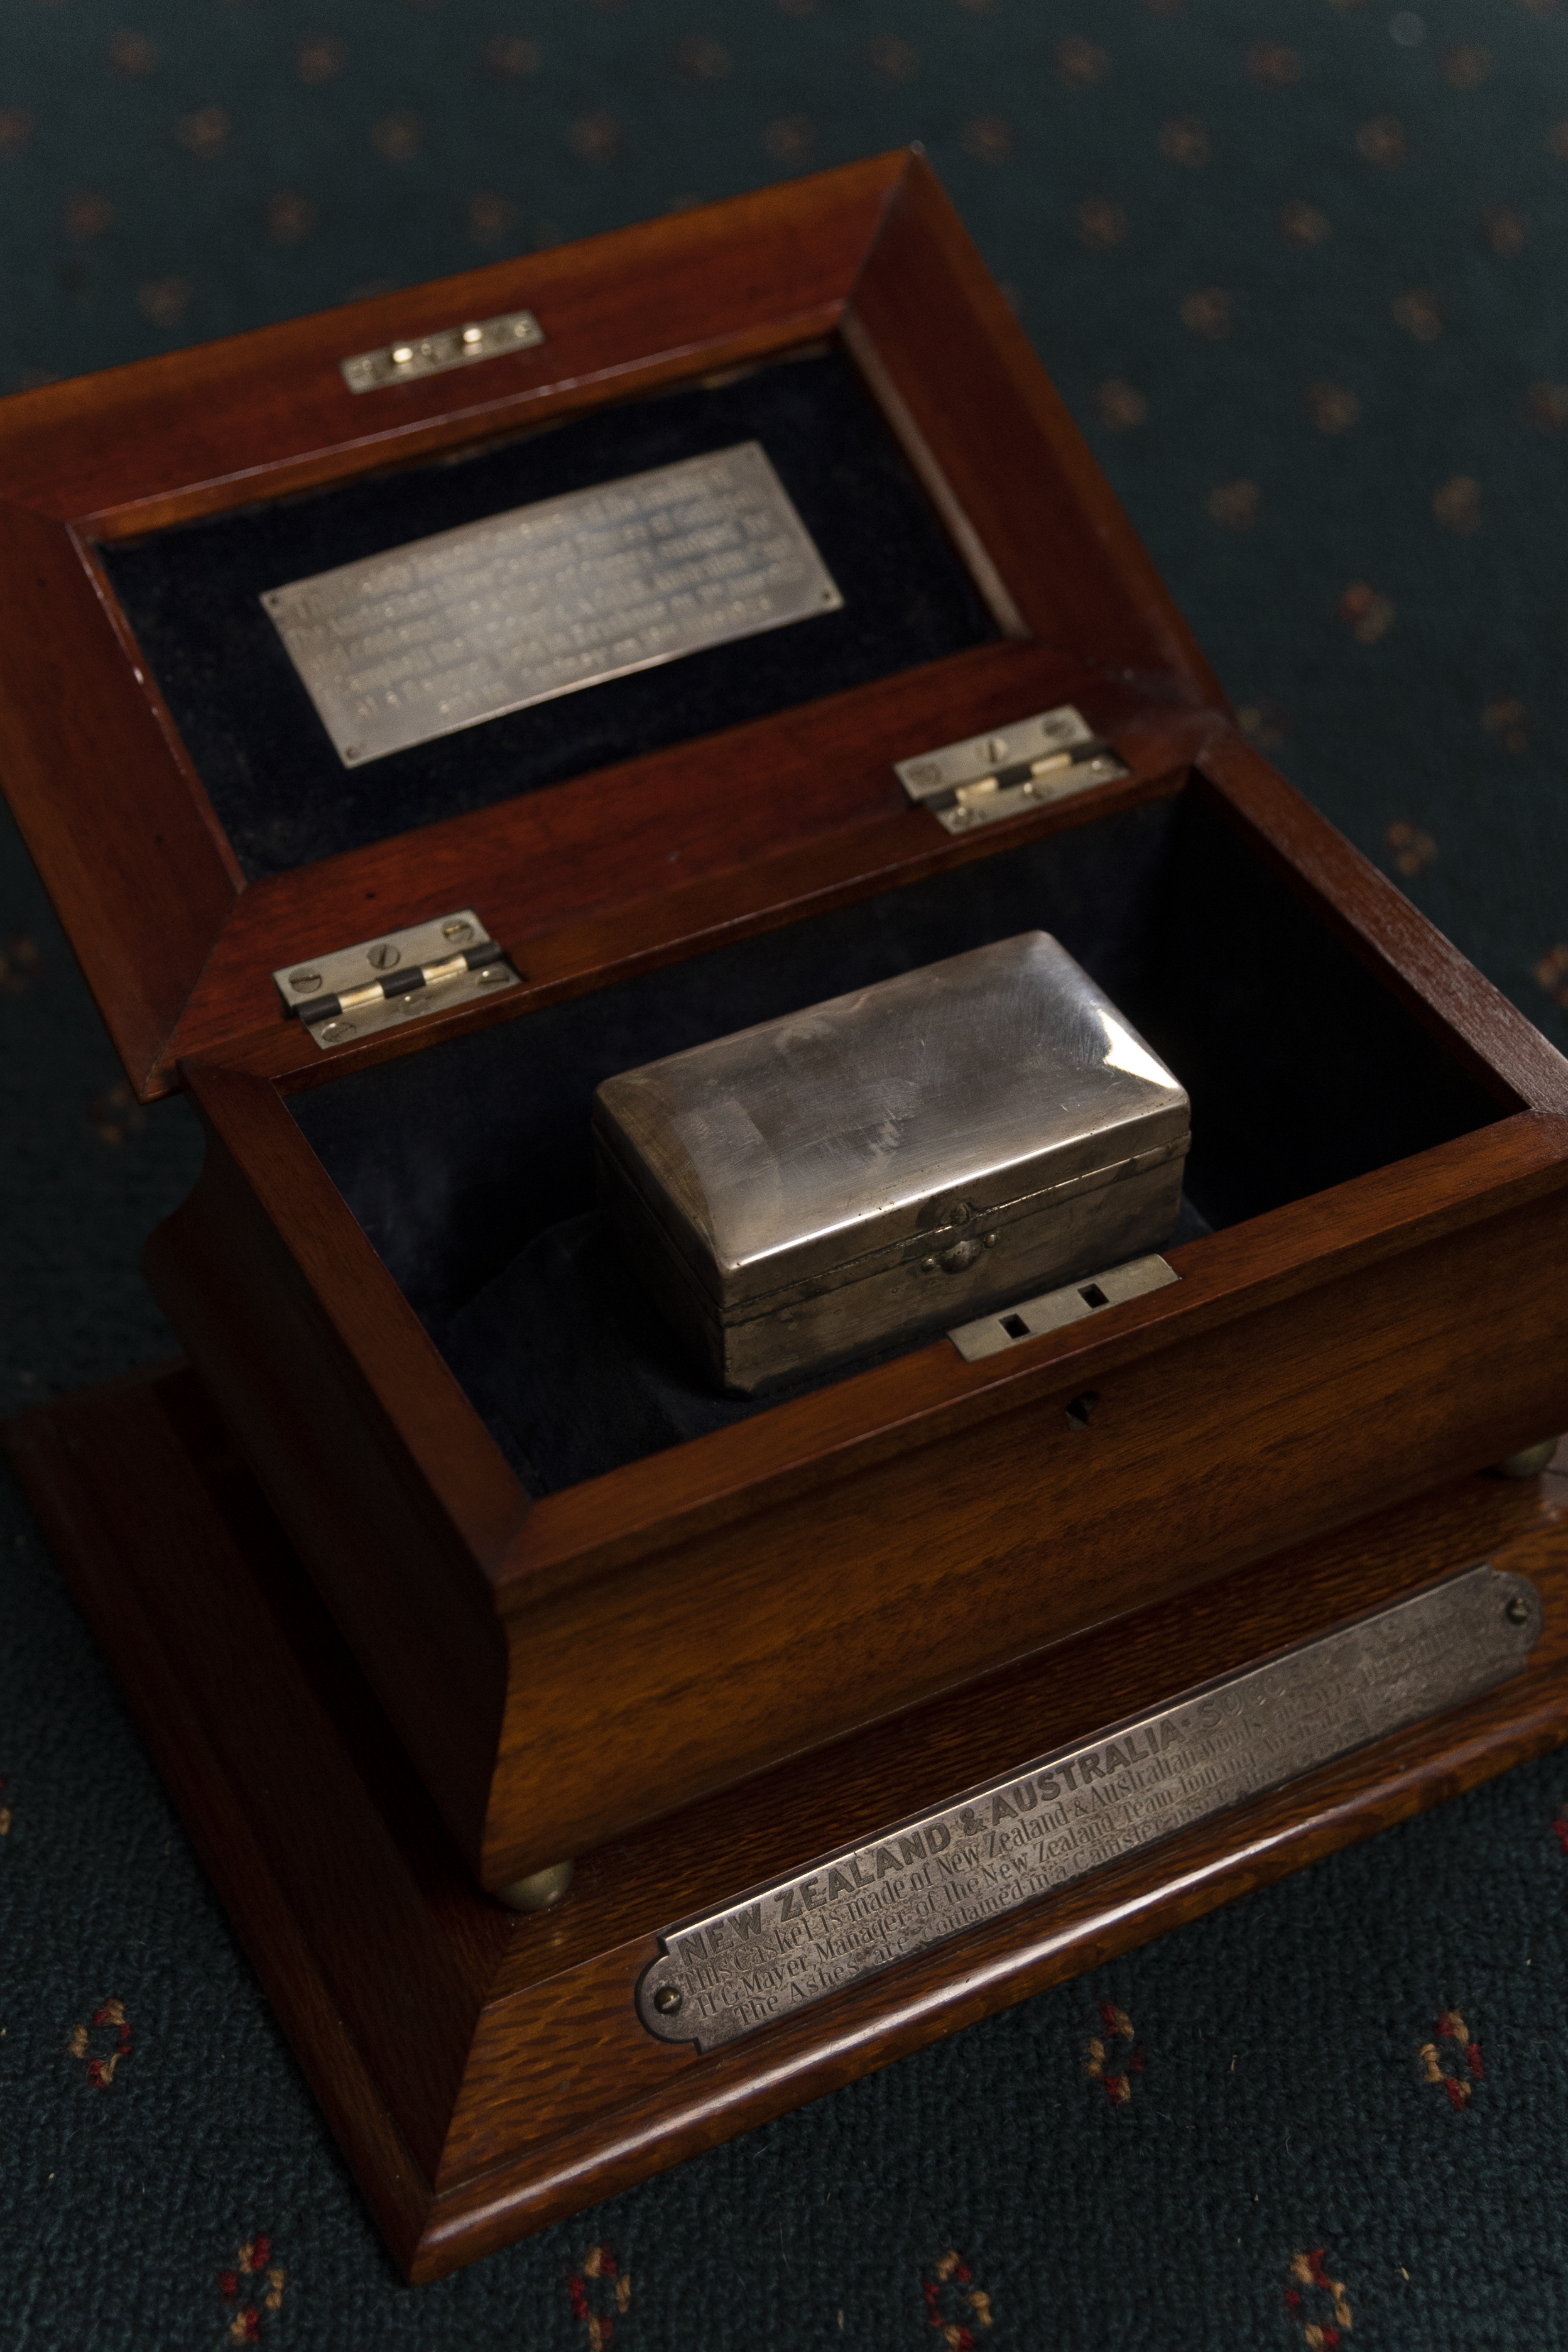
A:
486, 2073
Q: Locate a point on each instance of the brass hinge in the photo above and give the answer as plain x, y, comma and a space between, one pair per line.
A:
1021, 766
396, 978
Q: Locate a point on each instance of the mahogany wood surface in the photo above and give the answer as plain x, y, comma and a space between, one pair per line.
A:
760, 1591
113, 808
470, 1613
1352, 1339
485, 2075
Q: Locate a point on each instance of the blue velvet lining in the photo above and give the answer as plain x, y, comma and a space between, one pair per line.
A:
280, 792
469, 1165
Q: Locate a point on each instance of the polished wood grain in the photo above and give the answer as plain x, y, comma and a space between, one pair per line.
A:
937, 335
377, 1464
179, 953
485, 2075
757, 1591
757, 1578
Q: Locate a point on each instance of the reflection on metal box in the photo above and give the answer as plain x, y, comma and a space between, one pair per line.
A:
895, 1160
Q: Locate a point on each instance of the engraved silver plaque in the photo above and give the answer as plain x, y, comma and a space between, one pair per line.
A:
795, 1940
520, 607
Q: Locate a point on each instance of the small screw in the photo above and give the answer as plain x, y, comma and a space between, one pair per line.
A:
928, 1265
997, 749
456, 931
1518, 1609
990, 1241
403, 354
332, 1030
667, 2000
383, 958
308, 981
491, 973
350, 750
473, 334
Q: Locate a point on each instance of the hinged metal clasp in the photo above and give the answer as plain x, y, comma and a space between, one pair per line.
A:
452, 347
1021, 766
399, 976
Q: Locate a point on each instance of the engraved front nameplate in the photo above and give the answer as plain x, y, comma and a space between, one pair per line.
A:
520, 607
795, 1940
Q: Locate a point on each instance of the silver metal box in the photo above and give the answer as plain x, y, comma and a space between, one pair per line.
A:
894, 1162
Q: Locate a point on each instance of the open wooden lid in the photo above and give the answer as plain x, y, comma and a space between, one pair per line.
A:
179, 946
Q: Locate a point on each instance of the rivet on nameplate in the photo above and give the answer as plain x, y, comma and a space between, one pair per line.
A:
1100, 1803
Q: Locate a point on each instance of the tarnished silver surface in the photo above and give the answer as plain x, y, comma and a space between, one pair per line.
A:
901, 1158
453, 347
991, 1334
1022, 765
796, 1939
520, 607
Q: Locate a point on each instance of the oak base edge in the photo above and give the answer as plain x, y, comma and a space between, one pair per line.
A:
342, 1884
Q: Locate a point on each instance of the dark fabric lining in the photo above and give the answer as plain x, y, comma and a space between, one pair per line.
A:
282, 794
469, 1167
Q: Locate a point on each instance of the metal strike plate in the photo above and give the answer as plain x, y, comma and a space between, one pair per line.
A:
1026, 765
991, 1849
990, 1334
378, 959
451, 347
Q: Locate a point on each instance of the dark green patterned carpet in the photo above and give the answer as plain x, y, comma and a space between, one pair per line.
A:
1300, 272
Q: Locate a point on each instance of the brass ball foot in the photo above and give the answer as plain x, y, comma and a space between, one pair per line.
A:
1528, 1463
538, 1890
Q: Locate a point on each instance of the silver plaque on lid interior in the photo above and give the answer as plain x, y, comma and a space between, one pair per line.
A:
517, 608
900, 1160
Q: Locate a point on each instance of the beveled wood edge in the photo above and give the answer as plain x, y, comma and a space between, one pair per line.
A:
883, 845
46, 438
962, 369
222, 379
715, 1846
824, 820
1483, 1030
40, 431
870, 2024
1115, 1911
401, 1368
216, 1818
645, 1507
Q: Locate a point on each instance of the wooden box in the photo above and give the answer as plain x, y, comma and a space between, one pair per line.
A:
589, 1606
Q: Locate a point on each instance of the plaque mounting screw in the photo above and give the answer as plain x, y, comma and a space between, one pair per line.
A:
456, 931
383, 958
332, 1030
1518, 1609
667, 2000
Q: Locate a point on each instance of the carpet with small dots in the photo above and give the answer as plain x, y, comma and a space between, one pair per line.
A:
1298, 270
